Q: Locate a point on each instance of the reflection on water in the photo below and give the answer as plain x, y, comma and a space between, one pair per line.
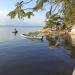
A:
15, 34
73, 39
26, 57
66, 40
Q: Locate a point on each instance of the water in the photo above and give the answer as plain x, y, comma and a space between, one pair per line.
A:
6, 32
27, 57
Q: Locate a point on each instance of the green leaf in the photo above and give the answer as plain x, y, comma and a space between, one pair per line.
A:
29, 14
39, 4
12, 14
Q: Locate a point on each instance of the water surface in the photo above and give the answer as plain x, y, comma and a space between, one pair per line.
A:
26, 57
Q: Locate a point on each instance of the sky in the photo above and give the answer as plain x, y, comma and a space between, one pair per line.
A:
8, 5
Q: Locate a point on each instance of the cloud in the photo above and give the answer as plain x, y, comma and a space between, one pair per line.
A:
35, 20
4, 19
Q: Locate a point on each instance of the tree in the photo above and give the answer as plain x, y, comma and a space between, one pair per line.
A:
66, 11
19, 11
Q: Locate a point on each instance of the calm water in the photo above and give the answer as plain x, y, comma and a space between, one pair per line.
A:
26, 57
6, 32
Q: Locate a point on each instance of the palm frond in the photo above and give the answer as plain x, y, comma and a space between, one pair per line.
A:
29, 14
18, 11
12, 14
39, 4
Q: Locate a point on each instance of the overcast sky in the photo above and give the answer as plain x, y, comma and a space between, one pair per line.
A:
8, 5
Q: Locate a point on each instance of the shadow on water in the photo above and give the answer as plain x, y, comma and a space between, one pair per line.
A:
64, 40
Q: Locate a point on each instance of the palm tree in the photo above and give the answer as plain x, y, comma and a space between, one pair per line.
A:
67, 10
19, 11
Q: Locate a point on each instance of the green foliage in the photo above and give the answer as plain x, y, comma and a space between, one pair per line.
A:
12, 14
67, 11
39, 4
29, 14
53, 20
32, 34
69, 14
19, 12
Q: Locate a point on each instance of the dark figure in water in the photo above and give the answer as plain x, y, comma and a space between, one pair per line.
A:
15, 31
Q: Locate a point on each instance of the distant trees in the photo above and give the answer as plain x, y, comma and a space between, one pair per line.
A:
60, 11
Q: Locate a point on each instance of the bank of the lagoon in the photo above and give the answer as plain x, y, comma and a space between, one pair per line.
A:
20, 56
